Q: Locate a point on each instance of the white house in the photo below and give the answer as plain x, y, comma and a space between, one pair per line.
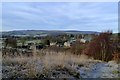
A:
67, 44
52, 43
83, 40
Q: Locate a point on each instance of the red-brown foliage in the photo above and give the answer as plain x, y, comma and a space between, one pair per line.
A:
116, 57
101, 47
77, 48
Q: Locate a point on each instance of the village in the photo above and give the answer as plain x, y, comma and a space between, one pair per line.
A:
25, 44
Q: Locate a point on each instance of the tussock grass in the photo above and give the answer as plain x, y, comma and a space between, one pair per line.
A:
38, 65
51, 60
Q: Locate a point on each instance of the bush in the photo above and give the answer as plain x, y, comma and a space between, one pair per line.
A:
10, 42
101, 47
116, 57
77, 48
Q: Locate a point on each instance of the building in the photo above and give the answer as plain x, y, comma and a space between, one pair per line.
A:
67, 44
52, 43
83, 40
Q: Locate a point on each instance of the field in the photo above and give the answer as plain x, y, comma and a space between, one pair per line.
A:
58, 65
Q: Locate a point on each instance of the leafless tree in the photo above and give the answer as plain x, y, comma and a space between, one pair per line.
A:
101, 47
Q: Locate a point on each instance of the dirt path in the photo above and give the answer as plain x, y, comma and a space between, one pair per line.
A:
97, 70
100, 70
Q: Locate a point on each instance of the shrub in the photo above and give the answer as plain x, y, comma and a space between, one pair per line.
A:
77, 48
101, 47
10, 42
116, 57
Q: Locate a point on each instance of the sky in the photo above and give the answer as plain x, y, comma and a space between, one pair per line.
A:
82, 16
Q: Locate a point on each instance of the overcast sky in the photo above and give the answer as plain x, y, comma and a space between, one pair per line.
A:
83, 16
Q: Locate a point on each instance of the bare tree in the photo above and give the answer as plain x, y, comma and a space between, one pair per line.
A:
101, 47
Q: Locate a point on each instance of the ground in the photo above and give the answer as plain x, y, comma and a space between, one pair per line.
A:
58, 66
100, 70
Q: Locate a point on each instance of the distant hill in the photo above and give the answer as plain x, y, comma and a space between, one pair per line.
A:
82, 32
48, 32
